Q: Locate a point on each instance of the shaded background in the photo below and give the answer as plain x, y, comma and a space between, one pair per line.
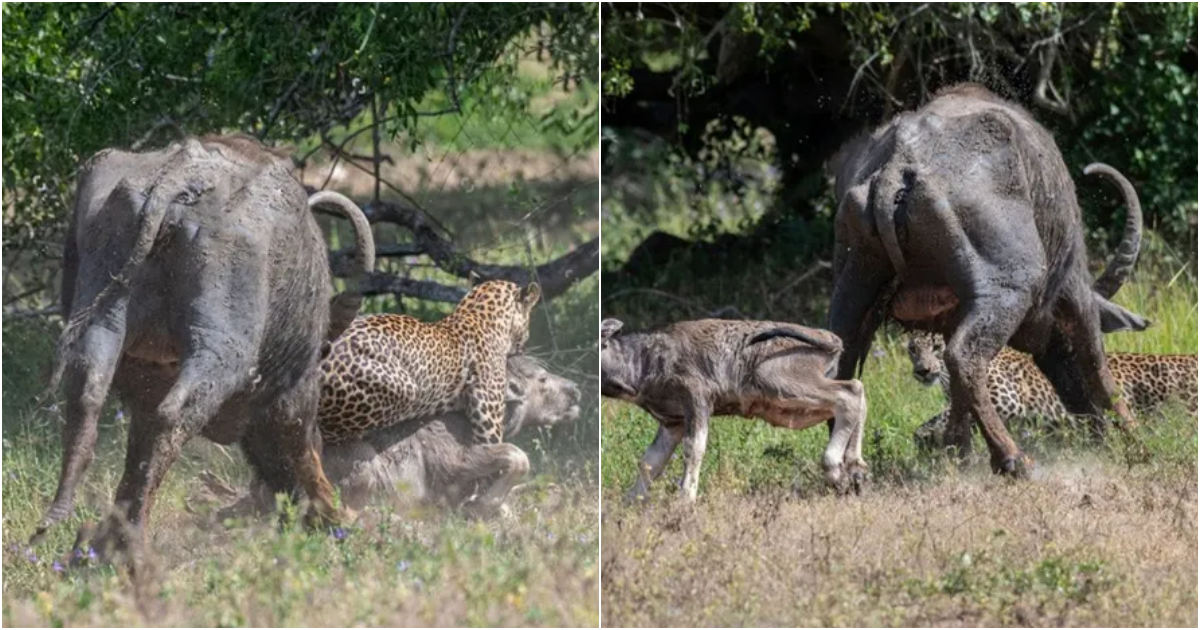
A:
718, 119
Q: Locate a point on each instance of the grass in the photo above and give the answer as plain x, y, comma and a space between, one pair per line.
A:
1105, 534
418, 568
1090, 544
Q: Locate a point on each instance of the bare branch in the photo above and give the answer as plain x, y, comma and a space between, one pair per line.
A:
555, 276
451, 44
17, 313
159, 125
1058, 105
342, 260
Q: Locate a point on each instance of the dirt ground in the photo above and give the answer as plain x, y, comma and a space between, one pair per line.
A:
1085, 543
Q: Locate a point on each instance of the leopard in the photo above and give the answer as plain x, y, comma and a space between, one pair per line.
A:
389, 368
1020, 391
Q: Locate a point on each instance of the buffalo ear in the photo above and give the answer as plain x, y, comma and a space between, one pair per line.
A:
530, 295
1115, 318
609, 327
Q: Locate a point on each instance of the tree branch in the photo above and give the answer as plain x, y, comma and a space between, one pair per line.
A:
379, 283
1052, 102
341, 262
160, 124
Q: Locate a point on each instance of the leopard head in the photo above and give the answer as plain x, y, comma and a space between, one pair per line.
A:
925, 351
524, 302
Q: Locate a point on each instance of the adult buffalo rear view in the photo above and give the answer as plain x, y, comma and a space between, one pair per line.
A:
196, 284
961, 218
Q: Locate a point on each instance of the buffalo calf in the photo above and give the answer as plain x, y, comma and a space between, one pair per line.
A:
685, 373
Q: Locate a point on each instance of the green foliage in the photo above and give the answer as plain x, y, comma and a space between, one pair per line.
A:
1143, 116
1115, 83
79, 78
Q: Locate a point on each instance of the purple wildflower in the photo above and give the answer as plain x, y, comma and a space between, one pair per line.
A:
879, 353
57, 566
120, 415
338, 533
30, 556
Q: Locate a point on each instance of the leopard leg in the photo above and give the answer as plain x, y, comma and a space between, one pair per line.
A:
931, 436
485, 402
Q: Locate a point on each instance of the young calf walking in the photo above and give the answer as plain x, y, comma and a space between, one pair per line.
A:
685, 373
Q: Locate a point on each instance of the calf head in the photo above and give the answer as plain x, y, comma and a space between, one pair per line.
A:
536, 397
618, 374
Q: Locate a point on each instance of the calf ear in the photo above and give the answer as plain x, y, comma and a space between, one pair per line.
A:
514, 393
609, 327
530, 295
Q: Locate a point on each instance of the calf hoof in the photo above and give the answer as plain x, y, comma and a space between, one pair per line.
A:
483, 510
835, 478
858, 479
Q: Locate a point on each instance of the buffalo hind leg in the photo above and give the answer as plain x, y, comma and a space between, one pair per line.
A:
153, 446
155, 440
985, 328
655, 459
87, 380
292, 428
853, 315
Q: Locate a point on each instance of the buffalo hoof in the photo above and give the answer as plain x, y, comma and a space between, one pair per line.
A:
634, 497
321, 519
115, 542
1016, 467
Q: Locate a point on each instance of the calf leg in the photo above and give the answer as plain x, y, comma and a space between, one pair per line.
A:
795, 398
484, 461
695, 442
655, 459
88, 378
852, 404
